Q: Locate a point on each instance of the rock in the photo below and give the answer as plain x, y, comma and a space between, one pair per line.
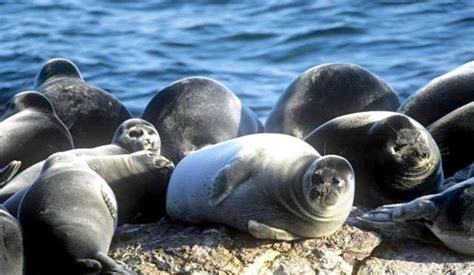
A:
171, 247
411, 257
175, 247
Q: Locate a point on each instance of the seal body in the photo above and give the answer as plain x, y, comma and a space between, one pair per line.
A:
195, 112
325, 92
133, 135
441, 95
11, 247
139, 182
72, 211
454, 134
31, 131
394, 157
449, 215
91, 114
270, 185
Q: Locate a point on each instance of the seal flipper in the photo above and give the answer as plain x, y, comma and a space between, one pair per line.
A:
421, 208
109, 266
263, 231
8, 172
230, 176
84, 266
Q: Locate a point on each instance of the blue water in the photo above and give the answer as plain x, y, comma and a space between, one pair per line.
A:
256, 48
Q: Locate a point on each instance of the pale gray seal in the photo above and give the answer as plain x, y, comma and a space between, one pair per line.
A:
195, 112
448, 215
441, 95
30, 131
395, 158
90, 113
271, 185
71, 211
327, 91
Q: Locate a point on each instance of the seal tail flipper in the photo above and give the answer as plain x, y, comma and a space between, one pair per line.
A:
8, 172
112, 267
230, 176
263, 231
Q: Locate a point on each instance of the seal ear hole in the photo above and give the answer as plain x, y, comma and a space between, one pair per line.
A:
135, 133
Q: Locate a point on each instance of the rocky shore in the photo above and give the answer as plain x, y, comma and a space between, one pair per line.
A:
174, 247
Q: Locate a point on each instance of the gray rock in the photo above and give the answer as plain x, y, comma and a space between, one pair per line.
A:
174, 247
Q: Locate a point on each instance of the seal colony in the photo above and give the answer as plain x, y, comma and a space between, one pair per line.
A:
74, 164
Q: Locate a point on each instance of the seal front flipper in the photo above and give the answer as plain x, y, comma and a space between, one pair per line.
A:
421, 208
230, 176
263, 231
8, 172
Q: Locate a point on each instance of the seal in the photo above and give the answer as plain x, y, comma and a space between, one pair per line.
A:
441, 95
271, 185
448, 215
31, 131
90, 113
325, 92
195, 112
72, 211
454, 134
138, 180
11, 247
132, 135
394, 157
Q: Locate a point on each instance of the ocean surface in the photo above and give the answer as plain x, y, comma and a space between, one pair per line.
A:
256, 48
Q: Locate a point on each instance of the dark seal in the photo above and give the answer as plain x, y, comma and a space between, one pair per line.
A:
454, 134
394, 157
325, 92
90, 113
195, 112
11, 246
441, 95
30, 130
72, 211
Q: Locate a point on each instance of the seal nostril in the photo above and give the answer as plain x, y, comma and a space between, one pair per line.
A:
335, 181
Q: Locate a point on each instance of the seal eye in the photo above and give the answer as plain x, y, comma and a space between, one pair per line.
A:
135, 133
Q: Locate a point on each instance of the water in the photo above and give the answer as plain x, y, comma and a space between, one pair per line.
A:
135, 48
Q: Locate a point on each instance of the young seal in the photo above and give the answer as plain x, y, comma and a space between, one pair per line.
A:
327, 91
394, 157
72, 211
195, 112
441, 95
454, 134
270, 185
11, 246
90, 113
30, 130
448, 215
133, 135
